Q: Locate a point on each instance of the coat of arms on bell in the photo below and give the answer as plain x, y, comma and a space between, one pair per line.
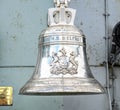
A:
63, 63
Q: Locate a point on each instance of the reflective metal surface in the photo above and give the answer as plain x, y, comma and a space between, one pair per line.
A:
62, 67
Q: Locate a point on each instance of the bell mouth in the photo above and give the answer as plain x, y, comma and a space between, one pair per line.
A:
62, 86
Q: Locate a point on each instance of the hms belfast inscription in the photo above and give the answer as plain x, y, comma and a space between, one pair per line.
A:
69, 39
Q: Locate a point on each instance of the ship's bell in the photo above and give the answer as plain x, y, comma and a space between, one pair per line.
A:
62, 67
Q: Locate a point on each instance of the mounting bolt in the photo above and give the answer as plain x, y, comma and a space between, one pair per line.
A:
106, 14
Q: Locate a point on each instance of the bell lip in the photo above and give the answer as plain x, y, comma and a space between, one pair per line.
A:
61, 94
30, 88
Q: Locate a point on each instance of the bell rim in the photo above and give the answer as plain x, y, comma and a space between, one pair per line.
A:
87, 86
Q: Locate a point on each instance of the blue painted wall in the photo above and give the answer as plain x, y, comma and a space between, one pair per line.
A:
21, 22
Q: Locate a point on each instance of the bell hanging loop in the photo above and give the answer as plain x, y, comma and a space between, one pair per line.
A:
62, 67
60, 3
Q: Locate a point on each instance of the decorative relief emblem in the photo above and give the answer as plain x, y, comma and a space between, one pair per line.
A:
63, 63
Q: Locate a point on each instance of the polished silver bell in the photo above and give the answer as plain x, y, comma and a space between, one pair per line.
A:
62, 67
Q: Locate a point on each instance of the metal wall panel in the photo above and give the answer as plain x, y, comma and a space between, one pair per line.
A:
114, 11
21, 22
